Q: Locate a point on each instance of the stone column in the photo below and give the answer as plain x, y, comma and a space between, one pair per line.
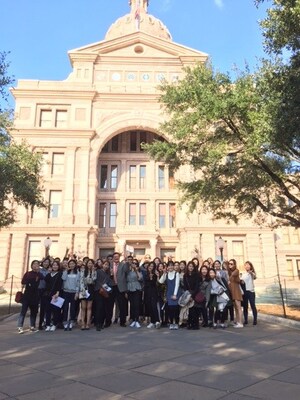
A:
82, 217
153, 248
69, 186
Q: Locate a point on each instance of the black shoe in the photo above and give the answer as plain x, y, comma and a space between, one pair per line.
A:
195, 328
254, 322
107, 324
245, 322
116, 321
98, 328
123, 325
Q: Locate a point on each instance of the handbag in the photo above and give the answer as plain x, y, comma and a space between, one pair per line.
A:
103, 292
184, 298
199, 298
19, 297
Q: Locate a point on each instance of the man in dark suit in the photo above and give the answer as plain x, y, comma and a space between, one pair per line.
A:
119, 272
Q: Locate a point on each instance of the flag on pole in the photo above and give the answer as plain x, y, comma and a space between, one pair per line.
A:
137, 14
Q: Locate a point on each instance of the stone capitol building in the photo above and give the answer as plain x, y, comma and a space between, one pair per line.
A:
104, 192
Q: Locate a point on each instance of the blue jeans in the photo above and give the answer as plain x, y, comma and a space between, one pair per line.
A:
33, 312
249, 297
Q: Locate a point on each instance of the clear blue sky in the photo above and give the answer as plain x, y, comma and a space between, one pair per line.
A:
39, 32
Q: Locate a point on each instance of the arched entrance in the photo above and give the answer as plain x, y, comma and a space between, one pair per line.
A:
136, 200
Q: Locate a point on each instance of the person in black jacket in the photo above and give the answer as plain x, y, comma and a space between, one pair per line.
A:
151, 296
53, 288
30, 281
191, 283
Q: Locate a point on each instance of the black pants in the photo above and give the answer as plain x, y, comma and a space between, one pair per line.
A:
135, 304
122, 303
52, 311
43, 302
249, 297
203, 312
99, 302
193, 319
173, 313
69, 301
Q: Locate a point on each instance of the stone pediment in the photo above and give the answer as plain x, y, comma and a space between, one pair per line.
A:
138, 45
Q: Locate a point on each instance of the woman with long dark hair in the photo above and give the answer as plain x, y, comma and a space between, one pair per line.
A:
86, 292
70, 293
191, 283
236, 292
247, 279
151, 296
53, 287
204, 288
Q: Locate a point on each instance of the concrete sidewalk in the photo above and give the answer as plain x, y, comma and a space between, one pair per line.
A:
261, 362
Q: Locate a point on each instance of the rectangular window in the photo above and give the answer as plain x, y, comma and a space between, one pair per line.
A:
61, 118
162, 215
132, 177
46, 119
295, 236
113, 215
167, 254
102, 215
143, 139
55, 203
106, 251
238, 252
172, 215
289, 267
132, 213
171, 179
161, 177
142, 216
45, 164
114, 177
103, 176
58, 162
142, 176
34, 251
133, 141
115, 144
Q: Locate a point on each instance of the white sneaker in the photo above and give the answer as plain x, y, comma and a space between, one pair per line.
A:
33, 329
20, 330
157, 325
137, 324
52, 328
175, 326
238, 325
171, 327
132, 325
48, 328
150, 325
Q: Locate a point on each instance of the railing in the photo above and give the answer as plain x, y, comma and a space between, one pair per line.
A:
8, 288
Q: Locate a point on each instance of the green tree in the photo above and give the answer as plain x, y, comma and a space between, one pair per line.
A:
241, 137
20, 181
223, 131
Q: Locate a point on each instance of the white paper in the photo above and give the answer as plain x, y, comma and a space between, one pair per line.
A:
87, 294
58, 302
106, 287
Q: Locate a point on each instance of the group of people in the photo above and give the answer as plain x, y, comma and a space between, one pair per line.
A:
173, 294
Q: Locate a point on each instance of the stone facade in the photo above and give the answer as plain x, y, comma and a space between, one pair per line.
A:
104, 192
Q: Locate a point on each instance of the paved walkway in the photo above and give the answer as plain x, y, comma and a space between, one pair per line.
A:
261, 362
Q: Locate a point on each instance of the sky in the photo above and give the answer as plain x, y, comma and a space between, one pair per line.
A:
39, 33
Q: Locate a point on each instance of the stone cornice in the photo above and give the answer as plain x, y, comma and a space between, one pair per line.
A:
59, 133
104, 47
57, 94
